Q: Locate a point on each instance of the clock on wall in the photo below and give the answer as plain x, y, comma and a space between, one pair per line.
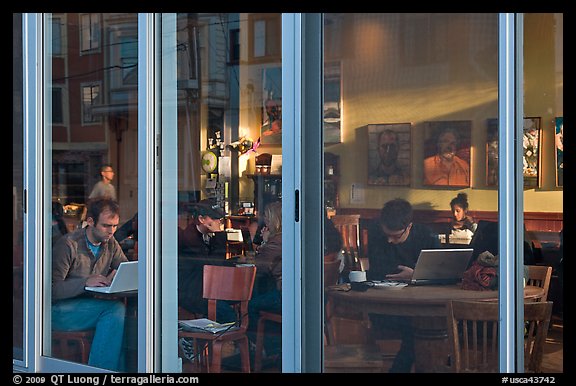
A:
209, 161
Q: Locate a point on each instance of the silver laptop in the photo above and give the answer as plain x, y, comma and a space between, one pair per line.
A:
126, 279
441, 266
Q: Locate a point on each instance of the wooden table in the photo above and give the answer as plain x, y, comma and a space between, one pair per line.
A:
426, 305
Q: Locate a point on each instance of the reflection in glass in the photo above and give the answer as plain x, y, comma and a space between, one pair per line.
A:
405, 80
229, 114
93, 146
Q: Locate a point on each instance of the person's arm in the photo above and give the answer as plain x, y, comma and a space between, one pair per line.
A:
116, 253
66, 284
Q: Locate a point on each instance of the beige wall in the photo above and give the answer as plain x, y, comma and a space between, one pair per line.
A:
378, 88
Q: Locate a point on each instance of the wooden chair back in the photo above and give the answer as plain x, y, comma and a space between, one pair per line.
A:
229, 283
537, 317
473, 335
349, 227
539, 276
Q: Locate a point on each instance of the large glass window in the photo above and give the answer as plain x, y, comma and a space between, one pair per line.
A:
543, 164
92, 155
408, 98
17, 194
411, 163
229, 181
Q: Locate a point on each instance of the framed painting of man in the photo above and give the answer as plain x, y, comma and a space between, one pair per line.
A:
447, 153
389, 154
531, 152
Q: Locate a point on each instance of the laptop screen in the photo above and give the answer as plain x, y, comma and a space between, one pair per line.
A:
441, 266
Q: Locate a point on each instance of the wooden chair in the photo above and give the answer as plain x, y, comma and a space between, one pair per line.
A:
349, 227
72, 345
229, 284
539, 276
264, 318
473, 335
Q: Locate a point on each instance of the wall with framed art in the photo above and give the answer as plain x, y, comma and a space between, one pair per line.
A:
383, 84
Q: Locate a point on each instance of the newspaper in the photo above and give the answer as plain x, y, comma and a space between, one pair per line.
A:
206, 325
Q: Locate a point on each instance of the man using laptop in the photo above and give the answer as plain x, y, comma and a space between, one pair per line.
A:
393, 249
84, 258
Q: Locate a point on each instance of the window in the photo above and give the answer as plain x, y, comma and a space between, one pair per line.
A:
90, 32
90, 98
57, 111
265, 42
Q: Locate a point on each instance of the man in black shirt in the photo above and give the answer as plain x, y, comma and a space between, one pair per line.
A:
394, 245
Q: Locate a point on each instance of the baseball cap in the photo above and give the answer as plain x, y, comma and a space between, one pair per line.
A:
206, 207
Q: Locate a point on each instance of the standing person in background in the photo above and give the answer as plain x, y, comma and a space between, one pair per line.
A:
460, 218
393, 250
104, 187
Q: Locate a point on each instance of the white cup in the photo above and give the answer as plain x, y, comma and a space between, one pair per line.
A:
357, 276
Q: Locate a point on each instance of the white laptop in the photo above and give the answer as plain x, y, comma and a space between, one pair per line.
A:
126, 279
441, 266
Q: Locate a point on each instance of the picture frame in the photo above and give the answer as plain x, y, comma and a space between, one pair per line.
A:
531, 143
559, 146
332, 103
271, 127
447, 152
389, 154
492, 152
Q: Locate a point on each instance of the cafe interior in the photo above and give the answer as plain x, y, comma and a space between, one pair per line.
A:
205, 168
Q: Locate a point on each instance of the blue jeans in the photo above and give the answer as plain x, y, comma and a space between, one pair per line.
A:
106, 316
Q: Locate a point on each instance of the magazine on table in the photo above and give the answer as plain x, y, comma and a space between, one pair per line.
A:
206, 325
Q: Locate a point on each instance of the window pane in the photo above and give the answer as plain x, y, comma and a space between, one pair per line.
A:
229, 174
543, 165
17, 193
94, 155
407, 100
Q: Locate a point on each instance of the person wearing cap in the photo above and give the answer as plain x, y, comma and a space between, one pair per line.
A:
203, 237
204, 234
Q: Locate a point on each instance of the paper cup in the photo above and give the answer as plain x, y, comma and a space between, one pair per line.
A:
357, 276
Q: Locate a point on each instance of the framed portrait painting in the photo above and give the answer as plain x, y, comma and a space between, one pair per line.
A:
531, 152
271, 128
492, 152
447, 153
389, 154
559, 145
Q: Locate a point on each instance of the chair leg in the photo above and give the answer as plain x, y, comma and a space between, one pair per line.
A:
215, 365
259, 345
244, 354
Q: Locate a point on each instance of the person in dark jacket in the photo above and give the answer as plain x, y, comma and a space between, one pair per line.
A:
394, 246
202, 240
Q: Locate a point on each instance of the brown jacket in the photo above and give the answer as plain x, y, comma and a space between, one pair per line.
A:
73, 262
269, 259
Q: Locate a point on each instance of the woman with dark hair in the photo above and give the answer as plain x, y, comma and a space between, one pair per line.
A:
460, 218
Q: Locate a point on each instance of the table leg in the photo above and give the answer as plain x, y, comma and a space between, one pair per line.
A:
430, 344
